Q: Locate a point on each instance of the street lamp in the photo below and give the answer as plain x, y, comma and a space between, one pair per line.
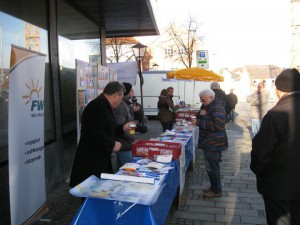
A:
139, 52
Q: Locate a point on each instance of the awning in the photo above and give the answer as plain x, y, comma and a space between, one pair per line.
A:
196, 74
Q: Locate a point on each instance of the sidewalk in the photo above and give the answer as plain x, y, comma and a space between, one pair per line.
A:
239, 204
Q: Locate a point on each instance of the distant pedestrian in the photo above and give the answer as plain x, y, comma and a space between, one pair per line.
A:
212, 139
220, 94
275, 153
166, 108
233, 100
259, 103
165, 115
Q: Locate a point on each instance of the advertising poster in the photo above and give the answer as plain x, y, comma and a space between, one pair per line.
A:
26, 136
113, 76
91, 80
103, 78
127, 71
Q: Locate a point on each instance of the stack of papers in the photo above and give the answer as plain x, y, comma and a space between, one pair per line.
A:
93, 187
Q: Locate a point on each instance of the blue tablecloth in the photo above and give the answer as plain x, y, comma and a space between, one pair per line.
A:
107, 212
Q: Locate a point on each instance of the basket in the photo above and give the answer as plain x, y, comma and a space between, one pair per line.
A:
149, 149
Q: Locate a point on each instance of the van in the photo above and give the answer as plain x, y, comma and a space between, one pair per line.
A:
155, 81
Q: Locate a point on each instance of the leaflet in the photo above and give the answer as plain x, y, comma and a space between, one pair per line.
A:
140, 193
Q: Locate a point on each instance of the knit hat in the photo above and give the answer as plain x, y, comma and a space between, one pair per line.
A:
128, 87
288, 80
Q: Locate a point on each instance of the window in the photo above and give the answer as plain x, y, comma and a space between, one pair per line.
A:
26, 27
77, 38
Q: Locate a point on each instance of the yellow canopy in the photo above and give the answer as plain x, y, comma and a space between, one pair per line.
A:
197, 74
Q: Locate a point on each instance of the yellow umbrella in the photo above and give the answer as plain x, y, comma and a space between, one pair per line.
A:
196, 74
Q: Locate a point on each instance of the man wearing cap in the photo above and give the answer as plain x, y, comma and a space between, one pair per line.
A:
275, 155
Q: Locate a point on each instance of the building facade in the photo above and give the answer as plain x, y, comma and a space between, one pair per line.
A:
63, 31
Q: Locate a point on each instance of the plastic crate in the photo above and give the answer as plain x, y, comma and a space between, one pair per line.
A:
149, 149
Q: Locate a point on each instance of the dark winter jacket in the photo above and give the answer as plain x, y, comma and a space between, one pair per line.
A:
93, 155
232, 99
220, 94
275, 155
212, 133
166, 109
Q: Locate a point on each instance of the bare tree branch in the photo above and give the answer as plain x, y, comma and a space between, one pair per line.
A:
182, 42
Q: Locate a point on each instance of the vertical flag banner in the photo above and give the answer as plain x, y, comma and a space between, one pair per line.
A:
26, 136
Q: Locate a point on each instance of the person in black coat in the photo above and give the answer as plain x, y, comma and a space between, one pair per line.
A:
275, 153
233, 100
220, 94
97, 138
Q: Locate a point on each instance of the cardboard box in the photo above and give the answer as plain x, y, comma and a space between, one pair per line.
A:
149, 149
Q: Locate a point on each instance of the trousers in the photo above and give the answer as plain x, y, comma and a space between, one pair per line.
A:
282, 212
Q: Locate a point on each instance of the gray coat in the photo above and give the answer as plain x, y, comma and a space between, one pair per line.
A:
122, 115
259, 104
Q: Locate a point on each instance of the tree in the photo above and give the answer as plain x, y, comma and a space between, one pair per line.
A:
118, 49
183, 42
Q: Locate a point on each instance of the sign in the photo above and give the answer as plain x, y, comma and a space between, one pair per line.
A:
202, 59
27, 184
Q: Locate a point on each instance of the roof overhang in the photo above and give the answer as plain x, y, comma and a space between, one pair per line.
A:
119, 18
83, 19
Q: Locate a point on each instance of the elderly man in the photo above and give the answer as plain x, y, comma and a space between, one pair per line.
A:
212, 138
259, 103
276, 152
97, 136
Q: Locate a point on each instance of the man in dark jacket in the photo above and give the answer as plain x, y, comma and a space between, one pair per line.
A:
275, 153
212, 139
233, 100
97, 136
220, 94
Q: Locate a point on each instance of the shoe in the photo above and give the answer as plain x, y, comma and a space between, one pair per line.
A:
205, 190
211, 194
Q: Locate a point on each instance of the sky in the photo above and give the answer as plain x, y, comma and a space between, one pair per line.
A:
236, 32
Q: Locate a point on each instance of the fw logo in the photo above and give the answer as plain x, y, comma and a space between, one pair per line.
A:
34, 93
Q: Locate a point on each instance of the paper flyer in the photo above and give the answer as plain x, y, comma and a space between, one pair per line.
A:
140, 193
145, 180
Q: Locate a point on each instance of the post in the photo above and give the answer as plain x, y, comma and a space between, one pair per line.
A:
141, 88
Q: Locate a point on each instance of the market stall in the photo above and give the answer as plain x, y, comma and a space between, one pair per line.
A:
110, 211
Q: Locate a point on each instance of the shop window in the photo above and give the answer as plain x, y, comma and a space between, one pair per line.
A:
23, 26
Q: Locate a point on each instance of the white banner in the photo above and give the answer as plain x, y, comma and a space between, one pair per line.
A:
26, 136
127, 71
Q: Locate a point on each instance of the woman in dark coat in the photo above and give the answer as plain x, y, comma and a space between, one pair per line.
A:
97, 139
